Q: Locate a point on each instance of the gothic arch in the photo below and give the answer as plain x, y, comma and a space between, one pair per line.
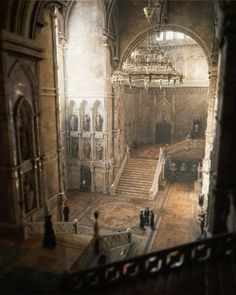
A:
22, 67
70, 8
141, 36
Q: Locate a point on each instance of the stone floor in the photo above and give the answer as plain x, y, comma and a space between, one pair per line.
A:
175, 209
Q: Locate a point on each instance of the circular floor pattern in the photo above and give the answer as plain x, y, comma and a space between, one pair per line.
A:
118, 214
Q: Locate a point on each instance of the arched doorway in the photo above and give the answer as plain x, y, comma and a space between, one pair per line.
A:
163, 132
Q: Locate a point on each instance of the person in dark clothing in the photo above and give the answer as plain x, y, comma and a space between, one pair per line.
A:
146, 216
141, 220
152, 220
49, 240
66, 212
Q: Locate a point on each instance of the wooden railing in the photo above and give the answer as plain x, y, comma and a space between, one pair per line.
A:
156, 263
118, 175
158, 174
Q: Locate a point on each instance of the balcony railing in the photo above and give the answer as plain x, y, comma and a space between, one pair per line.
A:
146, 266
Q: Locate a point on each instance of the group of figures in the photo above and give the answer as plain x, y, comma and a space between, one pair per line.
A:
147, 219
74, 123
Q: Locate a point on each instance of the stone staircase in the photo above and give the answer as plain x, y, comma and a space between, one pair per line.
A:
137, 177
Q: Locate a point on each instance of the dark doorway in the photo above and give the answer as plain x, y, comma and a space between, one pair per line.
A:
163, 132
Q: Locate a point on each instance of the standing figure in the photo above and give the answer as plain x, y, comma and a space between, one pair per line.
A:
152, 220
74, 147
66, 212
202, 222
96, 235
99, 122
49, 240
87, 150
99, 149
146, 216
141, 220
74, 123
86, 122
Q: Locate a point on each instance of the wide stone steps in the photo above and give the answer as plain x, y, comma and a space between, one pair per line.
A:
137, 184
137, 177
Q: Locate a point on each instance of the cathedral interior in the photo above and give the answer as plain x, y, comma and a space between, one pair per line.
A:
117, 146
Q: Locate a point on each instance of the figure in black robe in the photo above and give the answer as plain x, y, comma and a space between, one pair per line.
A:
66, 212
49, 240
141, 222
152, 220
146, 216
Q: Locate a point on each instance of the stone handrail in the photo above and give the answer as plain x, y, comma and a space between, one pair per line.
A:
105, 243
115, 240
118, 175
85, 258
185, 144
157, 177
58, 227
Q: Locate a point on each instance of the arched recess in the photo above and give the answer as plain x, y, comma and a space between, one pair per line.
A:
24, 117
25, 135
97, 116
141, 36
85, 116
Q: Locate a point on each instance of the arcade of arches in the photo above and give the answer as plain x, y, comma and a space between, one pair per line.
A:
67, 132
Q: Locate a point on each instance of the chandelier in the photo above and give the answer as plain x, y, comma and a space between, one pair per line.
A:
147, 66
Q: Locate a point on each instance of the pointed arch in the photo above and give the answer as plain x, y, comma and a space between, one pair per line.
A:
141, 36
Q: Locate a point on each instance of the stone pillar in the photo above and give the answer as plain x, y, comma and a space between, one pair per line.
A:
209, 134
108, 110
223, 201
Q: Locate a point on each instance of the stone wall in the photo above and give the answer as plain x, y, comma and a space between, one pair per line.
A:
179, 16
86, 143
179, 107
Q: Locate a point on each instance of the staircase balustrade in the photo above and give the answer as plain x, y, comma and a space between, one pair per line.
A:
158, 175
58, 227
185, 144
152, 264
105, 243
115, 240
115, 183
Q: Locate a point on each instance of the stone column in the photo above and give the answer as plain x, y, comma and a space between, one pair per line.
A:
108, 108
223, 201
57, 102
209, 134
